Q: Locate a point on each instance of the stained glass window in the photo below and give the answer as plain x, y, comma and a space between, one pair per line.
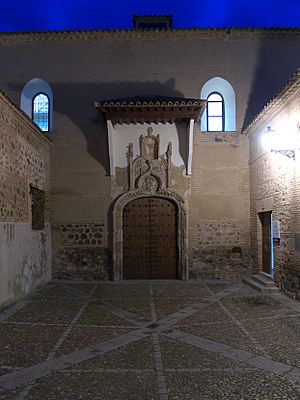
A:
41, 111
215, 112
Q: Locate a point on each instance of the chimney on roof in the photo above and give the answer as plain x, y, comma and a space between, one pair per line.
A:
152, 21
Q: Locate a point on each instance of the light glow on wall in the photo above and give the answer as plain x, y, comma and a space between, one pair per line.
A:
281, 138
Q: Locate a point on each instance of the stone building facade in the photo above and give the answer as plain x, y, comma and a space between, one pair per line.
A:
274, 141
110, 90
25, 248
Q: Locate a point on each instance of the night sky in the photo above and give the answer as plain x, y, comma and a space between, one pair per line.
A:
28, 15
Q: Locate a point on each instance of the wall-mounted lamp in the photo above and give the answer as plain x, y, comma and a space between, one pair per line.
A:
280, 142
288, 153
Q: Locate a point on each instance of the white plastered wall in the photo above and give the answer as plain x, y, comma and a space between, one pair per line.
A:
121, 135
25, 260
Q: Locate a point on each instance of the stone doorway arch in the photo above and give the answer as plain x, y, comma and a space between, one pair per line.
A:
181, 229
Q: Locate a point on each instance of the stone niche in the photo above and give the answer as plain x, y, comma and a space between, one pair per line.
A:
149, 174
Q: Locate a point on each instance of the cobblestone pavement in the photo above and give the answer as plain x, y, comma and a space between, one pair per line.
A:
150, 340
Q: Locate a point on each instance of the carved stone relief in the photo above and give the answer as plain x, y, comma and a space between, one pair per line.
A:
149, 146
150, 170
149, 175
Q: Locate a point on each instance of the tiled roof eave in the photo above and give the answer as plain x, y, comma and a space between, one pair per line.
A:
151, 113
129, 107
275, 103
150, 101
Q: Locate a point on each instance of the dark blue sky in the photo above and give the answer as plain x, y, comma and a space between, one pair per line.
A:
18, 15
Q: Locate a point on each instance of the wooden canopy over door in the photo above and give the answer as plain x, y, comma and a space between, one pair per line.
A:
149, 239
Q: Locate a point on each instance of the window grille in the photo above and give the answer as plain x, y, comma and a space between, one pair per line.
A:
215, 112
41, 111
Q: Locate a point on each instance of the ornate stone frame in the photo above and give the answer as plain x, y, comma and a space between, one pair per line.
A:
182, 239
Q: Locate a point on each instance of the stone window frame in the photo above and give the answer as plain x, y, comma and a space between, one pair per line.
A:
182, 232
224, 88
222, 115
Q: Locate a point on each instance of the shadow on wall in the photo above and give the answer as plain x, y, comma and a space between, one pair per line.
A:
271, 73
182, 133
75, 101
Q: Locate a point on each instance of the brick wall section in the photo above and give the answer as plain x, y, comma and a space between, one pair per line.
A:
80, 198
81, 251
219, 206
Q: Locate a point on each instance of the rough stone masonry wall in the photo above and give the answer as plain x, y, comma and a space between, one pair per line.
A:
25, 254
272, 183
219, 206
81, 251
275, 184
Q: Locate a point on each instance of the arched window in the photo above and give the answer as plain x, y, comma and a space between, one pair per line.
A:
221, 87
40, 111
215, 112
37, 103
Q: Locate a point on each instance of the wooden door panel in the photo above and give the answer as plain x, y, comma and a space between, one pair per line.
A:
164, 249
266, 241
136, 228
149, 239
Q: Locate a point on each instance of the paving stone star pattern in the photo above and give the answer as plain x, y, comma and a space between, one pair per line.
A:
164, 340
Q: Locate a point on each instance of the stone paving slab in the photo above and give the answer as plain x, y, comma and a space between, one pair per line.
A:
215, 287
234, 385
96, 314
5, 369
251, 306
150, 340
286, 301
55, 291
76, 288
100, 386
84, 336
212, 314
281, 337
12, 394
182, 291
7, 313
166, 306
23, 345
140, 307
48, 310
122, 292
227, 333
183, 355
138, 355
245, 291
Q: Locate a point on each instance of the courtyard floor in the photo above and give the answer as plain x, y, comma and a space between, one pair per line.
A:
150, 340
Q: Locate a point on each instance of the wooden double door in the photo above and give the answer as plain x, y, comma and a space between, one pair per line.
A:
149, 239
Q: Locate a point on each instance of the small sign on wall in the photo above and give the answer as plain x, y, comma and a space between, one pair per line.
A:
276, 230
